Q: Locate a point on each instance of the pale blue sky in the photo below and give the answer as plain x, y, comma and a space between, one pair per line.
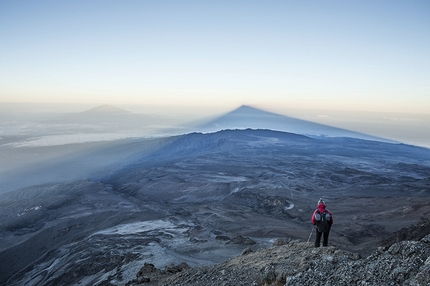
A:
344, 55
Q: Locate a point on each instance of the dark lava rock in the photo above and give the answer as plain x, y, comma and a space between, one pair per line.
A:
147, 268
243, 240
150, 275
172, 268
222, 237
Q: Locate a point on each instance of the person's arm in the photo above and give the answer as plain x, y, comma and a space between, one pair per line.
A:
314, 222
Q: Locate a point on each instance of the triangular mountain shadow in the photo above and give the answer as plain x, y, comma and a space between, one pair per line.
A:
249, 117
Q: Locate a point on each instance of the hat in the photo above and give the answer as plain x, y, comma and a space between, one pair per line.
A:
321, 202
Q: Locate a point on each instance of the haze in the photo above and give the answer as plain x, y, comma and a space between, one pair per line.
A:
359, 65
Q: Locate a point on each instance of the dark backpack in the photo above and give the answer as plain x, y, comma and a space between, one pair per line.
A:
323, 220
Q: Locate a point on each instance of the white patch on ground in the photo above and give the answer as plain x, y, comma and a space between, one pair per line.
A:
133, 228
36, 208
291, 206
175, 247
265, 141
221, 178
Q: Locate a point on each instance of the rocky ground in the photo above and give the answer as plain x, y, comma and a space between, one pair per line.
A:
204, 198
299, 263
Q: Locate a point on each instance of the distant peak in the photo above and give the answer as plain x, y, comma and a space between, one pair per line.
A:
106, 109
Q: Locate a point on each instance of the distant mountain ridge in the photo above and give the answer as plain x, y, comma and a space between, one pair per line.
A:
249, 117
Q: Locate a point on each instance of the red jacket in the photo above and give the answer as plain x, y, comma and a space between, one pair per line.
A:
321, 208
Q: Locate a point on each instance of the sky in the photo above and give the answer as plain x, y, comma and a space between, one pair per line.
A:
284, 56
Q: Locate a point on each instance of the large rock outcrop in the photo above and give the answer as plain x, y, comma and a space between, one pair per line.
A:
299, 263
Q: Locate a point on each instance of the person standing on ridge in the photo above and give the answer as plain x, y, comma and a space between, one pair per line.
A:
322, 219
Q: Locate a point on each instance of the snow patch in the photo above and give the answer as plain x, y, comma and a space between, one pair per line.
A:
133, 228
221, 178
290, 206
265, 141
36, 208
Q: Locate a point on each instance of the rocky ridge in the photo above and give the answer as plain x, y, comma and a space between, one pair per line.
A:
299, 263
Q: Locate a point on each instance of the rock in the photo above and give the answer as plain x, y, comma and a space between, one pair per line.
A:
173, 269
281, 241
222, 237
197, 240
243, 240
294, 264
426, 239
147, 268
246, 251
143, 279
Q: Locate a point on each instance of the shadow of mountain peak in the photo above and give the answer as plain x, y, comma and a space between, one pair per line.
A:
246, 117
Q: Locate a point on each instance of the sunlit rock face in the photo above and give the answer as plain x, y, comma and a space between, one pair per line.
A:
204, 198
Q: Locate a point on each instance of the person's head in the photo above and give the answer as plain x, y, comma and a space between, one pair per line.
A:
321, 202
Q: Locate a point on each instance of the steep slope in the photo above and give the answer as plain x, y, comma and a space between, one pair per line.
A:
250, 117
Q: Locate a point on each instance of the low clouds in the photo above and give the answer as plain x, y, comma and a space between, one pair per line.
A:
58, 140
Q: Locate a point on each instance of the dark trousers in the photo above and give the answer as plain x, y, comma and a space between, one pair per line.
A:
318, 238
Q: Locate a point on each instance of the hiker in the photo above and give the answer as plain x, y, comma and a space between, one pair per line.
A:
322, 219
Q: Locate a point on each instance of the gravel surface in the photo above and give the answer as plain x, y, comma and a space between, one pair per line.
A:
298, 263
